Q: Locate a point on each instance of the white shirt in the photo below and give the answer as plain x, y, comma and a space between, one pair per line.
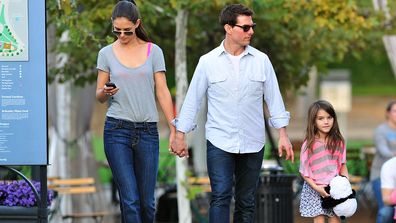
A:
388, 174
235, 60
235, 120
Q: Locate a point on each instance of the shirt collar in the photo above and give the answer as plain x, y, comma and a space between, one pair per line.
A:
221, 50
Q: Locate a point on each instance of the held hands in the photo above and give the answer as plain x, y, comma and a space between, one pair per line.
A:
179, 146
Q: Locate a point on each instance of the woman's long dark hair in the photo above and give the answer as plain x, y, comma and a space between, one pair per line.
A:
129, 10
389, 107
334, 139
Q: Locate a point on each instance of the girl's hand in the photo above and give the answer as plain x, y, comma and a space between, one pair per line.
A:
322, 192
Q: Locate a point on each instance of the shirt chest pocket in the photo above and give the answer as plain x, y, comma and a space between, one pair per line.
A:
255, 84
218, 85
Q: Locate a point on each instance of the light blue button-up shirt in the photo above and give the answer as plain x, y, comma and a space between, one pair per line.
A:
235, 119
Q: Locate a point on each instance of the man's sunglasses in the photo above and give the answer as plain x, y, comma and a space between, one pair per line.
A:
118, 33
246, 28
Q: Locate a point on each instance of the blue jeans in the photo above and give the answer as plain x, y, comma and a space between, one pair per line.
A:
223, 168
385, 213
132, 150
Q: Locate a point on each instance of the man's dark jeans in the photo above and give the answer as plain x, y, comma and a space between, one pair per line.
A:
226, 168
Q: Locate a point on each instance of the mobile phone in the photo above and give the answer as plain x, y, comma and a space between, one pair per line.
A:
110, 84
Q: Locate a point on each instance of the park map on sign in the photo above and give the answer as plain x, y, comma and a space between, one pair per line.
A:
13, 30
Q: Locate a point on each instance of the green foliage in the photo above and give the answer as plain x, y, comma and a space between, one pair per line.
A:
357, 167
98, 151
299, 34
289, 167
371, 74
296, 34
88, 25
167, 165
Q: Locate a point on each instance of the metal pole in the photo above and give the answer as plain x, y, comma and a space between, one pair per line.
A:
42, 205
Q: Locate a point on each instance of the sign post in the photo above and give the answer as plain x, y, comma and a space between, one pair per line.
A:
23, 87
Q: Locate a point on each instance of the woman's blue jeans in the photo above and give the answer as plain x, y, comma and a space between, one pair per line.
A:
132, 150
385, 213
226, 170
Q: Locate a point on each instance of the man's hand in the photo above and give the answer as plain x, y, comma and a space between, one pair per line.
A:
179, 146
284, 144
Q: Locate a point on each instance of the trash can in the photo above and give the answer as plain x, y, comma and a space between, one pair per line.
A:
167, 207
274, 199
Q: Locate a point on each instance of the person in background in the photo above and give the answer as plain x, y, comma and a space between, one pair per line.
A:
131, 141
388, 185
385, 144
235, 78
323, 156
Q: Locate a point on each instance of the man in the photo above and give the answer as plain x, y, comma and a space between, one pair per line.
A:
235, 78
388, 185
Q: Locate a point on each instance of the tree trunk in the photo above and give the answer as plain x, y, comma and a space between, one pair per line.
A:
389, 40
70, 153
183, 203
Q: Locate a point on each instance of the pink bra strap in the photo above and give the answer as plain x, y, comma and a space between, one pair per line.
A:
148, 49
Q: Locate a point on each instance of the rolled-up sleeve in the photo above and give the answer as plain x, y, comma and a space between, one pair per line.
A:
280, 120
279, 117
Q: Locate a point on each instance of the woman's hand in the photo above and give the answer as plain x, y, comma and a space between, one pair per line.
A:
110, 91
172, 136
179, 146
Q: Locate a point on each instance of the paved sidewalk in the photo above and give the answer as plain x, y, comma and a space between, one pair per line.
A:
362, 215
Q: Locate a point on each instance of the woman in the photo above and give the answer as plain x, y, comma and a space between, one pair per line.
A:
136, 68
385, 144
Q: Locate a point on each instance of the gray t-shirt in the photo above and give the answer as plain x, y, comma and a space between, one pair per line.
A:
135, 101
385, 144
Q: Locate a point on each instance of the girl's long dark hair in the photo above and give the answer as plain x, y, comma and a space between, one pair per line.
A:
334, 139
129, 10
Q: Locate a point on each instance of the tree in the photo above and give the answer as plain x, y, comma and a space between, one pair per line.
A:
295, 34
389, 40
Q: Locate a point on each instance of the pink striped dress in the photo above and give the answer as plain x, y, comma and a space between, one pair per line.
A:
321, 166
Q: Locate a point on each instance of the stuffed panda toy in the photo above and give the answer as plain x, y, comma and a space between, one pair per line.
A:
342, 197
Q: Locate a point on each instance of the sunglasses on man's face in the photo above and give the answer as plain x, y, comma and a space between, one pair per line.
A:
118, 33
246, 28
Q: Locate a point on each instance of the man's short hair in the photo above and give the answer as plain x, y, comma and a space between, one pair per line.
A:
230, 13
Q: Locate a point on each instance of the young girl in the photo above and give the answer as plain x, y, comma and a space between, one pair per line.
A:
323, 156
